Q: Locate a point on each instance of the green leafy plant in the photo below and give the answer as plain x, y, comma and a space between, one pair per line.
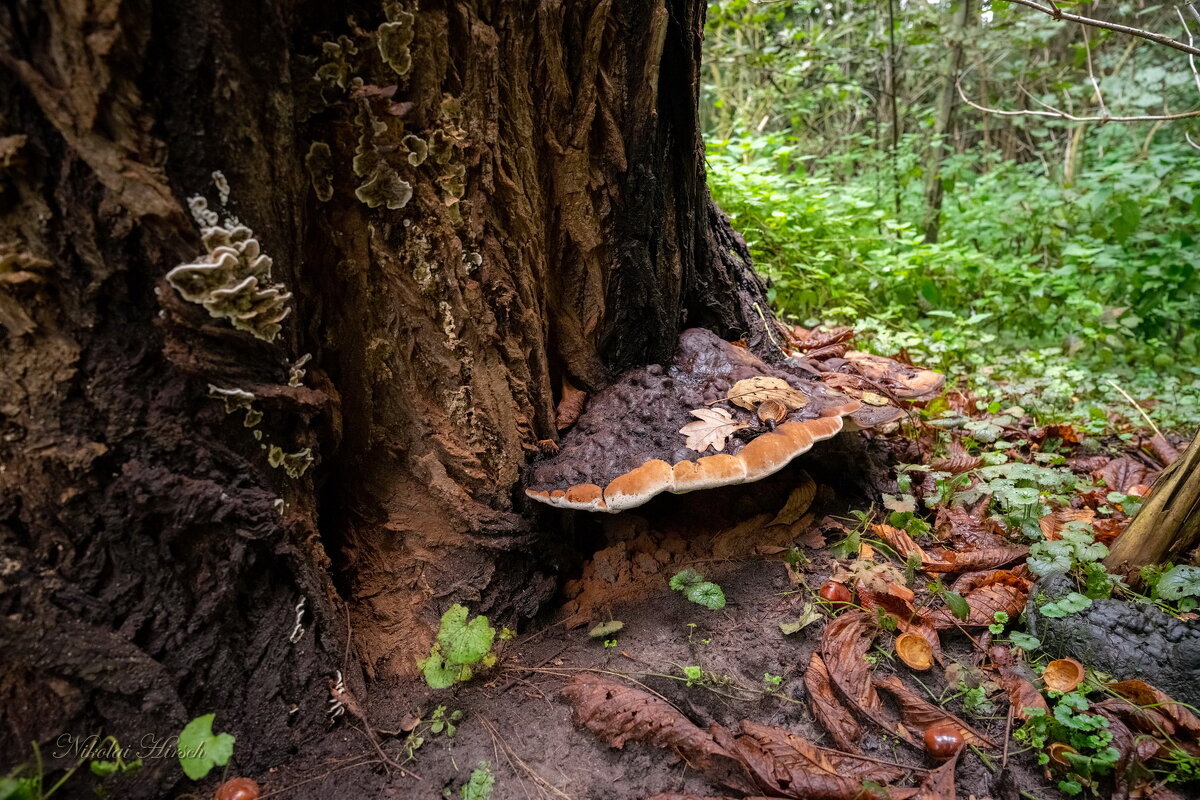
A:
698, 590
1068, 604
1178, 585
479, 786
200, 749
462, 645
1087, 734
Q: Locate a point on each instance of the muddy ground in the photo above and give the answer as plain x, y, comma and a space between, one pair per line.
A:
514, 718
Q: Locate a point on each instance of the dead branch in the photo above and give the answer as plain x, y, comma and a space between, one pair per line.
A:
1054, 11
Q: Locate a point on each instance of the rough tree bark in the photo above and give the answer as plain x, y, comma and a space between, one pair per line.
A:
558, 229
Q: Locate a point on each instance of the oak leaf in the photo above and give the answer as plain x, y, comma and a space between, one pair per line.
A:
715, 425
749, 392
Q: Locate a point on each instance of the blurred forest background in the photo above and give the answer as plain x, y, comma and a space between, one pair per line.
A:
1039, 258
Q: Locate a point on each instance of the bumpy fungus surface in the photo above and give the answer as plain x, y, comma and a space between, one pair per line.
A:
233, 280
626, 447
1124, 639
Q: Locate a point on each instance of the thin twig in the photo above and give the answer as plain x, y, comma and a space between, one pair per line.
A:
1057, 114
1158, 38
1134, 403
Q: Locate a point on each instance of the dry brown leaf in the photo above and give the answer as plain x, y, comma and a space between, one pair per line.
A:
844, 646
1122, 474
1022, 694
618, 714
920, 714
834, 717
772, 411
900, 541
749, 392
570, 406
957, 464
984, 603
786, 765
874, 399
1053, 523
939, 783
798, 503
974, 560
715, 425
1143, 694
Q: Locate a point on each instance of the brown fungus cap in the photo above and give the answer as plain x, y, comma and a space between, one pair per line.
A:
627, 447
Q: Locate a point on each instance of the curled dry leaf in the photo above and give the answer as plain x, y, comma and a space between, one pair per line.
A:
834, 717
958, 464
900, 541
798, 503
1022, 694
1143, 694
939, 783
749, 392
919, 714
715, 425
786, 765
619, 714
971, 560
1053, 523
984, 603
844, 647
570, 406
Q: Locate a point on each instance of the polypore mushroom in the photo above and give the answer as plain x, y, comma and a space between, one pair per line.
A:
692, 425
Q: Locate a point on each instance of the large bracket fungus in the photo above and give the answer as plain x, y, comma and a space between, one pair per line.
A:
646, 434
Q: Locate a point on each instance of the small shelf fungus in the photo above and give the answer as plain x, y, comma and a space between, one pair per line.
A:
698, 424
233, 280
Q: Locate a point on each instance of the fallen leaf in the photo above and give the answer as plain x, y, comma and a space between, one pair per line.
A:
844, 646
1053, 523
873, 399
786, 765
570, 406
618, 714
920, 714
715, 425
1022, 694
900, 541
984, 603
973, 560
1143, 694
1122, 474
939, 783
798, 503
749, 392
957, 465
835, 718
808, 615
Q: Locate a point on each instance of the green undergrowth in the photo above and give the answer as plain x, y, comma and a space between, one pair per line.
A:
1037, 293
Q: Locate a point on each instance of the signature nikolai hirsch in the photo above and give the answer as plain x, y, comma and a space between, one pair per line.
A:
95, 747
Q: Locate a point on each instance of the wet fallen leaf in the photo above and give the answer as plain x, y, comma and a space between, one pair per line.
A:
873, 399
920, 714
1122, 474
835, 718
786, 765
983, 604
1022, 694
619, 714
798, 503
939, 783
807, 617
749, 392
715, 425
1143, 694
972, 560
1053, 523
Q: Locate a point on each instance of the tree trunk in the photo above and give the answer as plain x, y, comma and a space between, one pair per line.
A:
471, 204
947, 103
1167, 527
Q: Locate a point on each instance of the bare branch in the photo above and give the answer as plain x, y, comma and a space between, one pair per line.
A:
1055, 113
1057, 13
